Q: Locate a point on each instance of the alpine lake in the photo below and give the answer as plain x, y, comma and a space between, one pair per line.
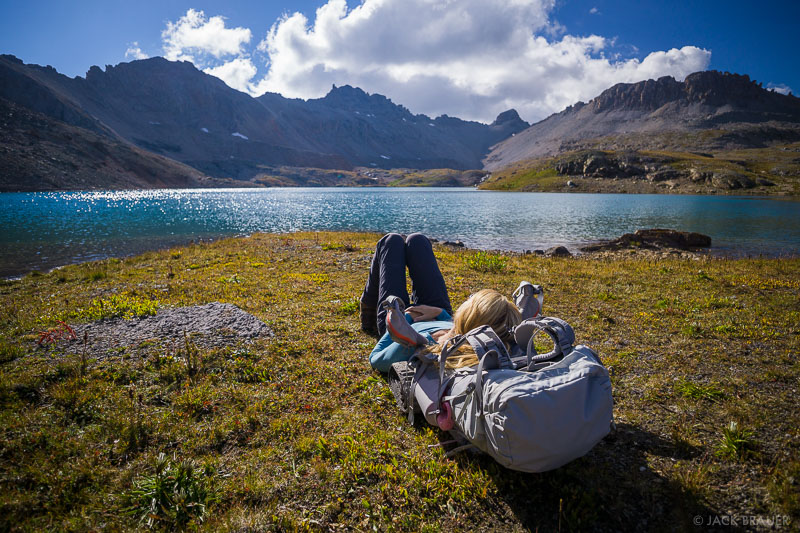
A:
45, 230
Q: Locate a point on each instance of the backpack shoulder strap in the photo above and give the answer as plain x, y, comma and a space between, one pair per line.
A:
485, 342
489, 361
557, 329
483, 339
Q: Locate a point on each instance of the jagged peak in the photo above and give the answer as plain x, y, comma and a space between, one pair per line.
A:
709, 87
355, 98
348, 90
137, 65
509, 116
12, 58
348, 95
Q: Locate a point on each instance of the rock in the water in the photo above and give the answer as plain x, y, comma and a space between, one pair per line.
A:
558, 251
654, 239
458, 244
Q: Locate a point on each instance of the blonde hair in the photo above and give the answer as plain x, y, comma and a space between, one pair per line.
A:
485, 307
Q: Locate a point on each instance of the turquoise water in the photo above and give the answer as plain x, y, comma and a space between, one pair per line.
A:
44, 230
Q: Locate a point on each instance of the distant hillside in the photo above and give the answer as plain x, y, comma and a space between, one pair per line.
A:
39, 153
712, 133
625, 114
174, 110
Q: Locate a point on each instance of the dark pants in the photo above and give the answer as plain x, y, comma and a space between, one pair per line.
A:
387, 275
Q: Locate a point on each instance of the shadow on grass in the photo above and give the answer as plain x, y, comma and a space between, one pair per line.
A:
610, 489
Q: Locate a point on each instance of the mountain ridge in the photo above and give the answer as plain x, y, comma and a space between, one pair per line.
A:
174, 110
704, 100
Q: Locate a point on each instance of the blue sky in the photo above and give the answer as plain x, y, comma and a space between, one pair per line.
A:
470, 58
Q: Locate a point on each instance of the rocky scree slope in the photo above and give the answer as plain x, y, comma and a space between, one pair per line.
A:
737, 112
39, 153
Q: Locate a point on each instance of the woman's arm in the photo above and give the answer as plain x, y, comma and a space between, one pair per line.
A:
387, 351
425, 313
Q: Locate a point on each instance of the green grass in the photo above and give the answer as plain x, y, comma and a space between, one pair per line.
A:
736, 442
689, 151
175, 495
486, 262
699, 392
123, 305
439, 177
519, 178
297, 433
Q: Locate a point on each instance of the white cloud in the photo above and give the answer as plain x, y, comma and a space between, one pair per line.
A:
237, 73
194, 37
594, 11
134, 52
779, 88
467, 58
472, 58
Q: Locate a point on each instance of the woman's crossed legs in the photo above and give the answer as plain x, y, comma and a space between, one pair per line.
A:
387, 277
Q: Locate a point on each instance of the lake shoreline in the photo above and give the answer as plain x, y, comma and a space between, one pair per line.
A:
44, 231
653, 254
588, 186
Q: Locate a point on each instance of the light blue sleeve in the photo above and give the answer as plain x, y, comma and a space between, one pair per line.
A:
387, 351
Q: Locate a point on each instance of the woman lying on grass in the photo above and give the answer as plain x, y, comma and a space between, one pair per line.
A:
431, 316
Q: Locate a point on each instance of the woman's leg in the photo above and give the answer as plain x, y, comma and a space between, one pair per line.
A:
427, 282
387, 277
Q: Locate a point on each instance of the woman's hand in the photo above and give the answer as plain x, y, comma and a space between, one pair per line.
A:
422, 313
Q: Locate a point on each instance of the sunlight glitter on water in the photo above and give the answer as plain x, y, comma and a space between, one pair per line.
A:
43, 230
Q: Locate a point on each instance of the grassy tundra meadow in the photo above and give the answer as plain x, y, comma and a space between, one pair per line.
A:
296, 432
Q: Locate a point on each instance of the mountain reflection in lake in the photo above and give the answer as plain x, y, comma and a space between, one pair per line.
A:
44, 230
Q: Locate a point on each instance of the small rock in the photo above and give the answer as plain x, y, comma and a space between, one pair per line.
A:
558, 251
571, 183
458, 244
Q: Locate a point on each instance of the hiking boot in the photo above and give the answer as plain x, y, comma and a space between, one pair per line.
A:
399, 330
369, 319
528, 298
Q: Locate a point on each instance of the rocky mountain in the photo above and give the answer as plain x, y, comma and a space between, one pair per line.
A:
370, 130
739, 112
174, 110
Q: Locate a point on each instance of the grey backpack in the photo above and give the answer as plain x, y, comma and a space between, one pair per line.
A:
530, 412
